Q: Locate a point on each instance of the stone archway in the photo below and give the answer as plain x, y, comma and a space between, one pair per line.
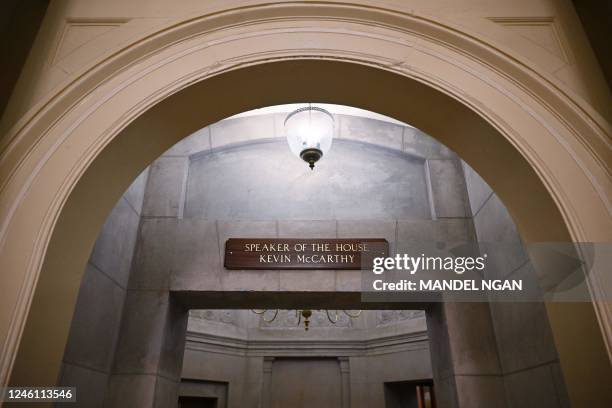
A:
65, 159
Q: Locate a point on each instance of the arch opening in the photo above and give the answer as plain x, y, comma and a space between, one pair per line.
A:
238, 177
465, 131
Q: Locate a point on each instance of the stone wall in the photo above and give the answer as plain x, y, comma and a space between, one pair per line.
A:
237, 348
247, 355
238, 178
89, 355
379, 180
528, 361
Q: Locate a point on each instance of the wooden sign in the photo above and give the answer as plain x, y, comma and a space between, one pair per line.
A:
279, 253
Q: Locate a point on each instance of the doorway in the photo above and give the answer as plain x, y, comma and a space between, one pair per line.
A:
198, 402
409, 394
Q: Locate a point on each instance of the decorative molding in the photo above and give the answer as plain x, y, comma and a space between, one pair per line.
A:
388, 317
543, 31
213, 343
80, 31
222, 316
287, 320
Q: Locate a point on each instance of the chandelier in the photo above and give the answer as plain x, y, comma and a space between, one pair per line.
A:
309, 133
305, 314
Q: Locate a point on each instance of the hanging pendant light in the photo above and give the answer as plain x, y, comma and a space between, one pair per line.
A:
309, 133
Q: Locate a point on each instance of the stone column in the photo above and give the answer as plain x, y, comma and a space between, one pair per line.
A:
527, 353
149, 357
149, 354
90, 349
266, 393
464, 356
345, 373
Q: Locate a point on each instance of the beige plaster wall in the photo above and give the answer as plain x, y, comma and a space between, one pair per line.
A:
77, 33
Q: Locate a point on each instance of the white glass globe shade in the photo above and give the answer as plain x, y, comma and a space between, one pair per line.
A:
309, 132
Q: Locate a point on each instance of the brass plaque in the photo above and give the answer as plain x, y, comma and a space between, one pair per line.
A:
295, 253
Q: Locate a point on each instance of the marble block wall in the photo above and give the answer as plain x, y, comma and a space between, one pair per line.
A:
90, 351
236, 348
238, 178
528, 361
